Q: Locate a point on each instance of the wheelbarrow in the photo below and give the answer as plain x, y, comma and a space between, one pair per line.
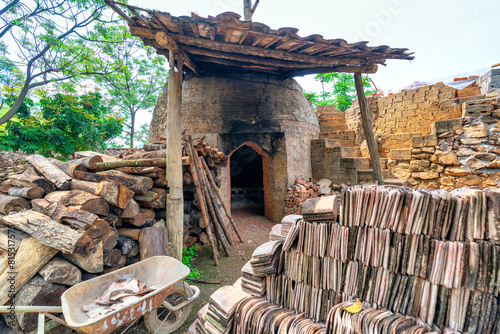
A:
164, 309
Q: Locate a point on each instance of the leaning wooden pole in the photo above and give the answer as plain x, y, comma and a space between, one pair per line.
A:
366, 120
175, 200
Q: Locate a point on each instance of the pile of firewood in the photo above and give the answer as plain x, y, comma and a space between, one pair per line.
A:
71, 221
302, 190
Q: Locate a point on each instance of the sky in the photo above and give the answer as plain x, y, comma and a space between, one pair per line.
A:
448, 37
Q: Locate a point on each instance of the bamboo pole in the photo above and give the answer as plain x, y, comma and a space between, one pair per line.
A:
175, 201
192, 167
366, 121
214, 186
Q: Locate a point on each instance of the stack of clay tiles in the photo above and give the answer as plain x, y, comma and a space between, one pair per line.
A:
419, 260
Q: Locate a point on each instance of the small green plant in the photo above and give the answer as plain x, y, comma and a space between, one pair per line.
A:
187, 255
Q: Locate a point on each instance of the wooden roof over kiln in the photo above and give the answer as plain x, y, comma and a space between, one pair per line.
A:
226, 42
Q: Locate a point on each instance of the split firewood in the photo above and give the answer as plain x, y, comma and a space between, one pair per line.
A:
134, 251
61, 271
30, 257
51, 172
150, 214
29, 193
87, 154
114, 193
158, 203
90, 261
30, 178
132, 233
34, 293
49, 232
137, 184
5, 186
111, 258
132, 210
125, 245
86, 186
139, 220
147, 197
77, 219
109, 240
10, 204
120, 263
88, 162
187, 178
153, 241
68, 167
113, 220
77, 199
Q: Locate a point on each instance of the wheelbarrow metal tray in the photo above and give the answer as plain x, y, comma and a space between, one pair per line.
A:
159, 270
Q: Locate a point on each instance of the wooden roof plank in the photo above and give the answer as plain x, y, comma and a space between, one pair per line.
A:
163, 39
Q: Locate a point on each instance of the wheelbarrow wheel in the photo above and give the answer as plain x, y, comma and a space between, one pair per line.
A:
164, 321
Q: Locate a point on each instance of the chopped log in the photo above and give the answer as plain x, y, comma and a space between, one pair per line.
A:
109, 240
147, 197
86, 186
119, 264
77, 219
51, 172
130, 163
49, 232
68, 167
111, 258
163, 138
113, 220
132, 210
134, 251
81, 200
39, 204
88, 162
5, 186
87, 154
137, 184
138, 170
154, 146
132, 233
153, 241
29, 193
36, 292
125, 244
30, 257
187, 178
139, 220
161, 180
150, 214
30, 178
61, 271
114, 193
90, 261
158, 203
138, 177
10, 204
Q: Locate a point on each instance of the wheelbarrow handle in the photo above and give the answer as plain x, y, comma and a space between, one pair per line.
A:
184, 303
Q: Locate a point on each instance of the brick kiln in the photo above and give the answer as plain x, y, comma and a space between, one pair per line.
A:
263, 123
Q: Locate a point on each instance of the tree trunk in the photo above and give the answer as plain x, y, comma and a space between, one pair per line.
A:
10, 204
29, 193
17, 104
90, 261
61, 271
49, 232
86, 154
30, 257
81, 200
366, 121
130, 163
88, 162
132, 128
68, 167
114, 193
51, 172
139, 185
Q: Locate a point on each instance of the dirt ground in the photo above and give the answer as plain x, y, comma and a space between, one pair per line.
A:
255, 231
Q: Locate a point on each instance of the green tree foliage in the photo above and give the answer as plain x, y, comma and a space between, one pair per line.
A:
64, 124
47, 41
343, 90
132, 77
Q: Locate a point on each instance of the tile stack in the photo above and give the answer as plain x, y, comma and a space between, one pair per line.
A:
250, 283
421, 261
220, 312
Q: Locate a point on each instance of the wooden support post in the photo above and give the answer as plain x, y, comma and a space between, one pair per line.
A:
247, 10
366, 120
175, 200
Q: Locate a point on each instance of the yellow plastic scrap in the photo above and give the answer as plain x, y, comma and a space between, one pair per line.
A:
354, 308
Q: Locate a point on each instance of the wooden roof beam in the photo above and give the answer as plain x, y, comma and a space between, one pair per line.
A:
343, 69
165, 41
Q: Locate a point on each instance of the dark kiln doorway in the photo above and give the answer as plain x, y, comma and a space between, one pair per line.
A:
247, 180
